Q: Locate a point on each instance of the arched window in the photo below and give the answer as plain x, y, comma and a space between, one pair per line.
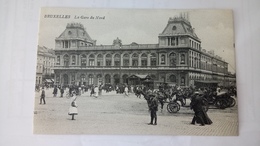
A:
90, 79
66, 60
82, 78
144, 59
83, 60
73, 60
125, 78
107, 79
117, 60
92, 60
182, 59
126, 60
116, 79
162, 59
173, 60
172, 78
108, 60
134, 59
65, 79
153, 59
99, 78
174, 28
99, 60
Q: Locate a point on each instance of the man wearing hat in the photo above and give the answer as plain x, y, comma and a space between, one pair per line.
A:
42, 97
153, 107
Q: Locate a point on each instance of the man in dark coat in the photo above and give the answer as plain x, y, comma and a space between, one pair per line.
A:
55, 90
153, 107
42, 97
200, 116
61, 91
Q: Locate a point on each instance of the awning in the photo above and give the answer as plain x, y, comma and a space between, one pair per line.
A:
48, 80
140, 76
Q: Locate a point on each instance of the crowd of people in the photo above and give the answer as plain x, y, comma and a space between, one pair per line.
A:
152, 96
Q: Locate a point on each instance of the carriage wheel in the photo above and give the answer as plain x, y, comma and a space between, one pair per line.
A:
232, 102
221, 103
173, 107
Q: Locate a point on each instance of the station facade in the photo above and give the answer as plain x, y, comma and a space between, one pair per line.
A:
177, 58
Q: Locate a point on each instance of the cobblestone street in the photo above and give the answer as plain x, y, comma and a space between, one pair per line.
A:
117, 114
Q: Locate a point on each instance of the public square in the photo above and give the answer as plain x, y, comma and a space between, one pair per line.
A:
117, 114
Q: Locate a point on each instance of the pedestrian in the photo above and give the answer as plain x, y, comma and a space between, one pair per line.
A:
92, 90
73, 110
96, 91
100, 89
126, 91
42, 97
61, 91
153, 107
55, 90
200, 115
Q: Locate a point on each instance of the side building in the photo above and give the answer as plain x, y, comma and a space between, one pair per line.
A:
45, 63
177, 58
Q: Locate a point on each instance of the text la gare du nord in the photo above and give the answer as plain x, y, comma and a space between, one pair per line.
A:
75, 17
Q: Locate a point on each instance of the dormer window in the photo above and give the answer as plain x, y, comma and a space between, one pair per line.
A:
69, 32
174, 28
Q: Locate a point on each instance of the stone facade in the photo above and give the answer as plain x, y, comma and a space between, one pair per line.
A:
45, 64
177, 58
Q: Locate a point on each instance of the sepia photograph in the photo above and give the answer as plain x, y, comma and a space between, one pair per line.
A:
136, 72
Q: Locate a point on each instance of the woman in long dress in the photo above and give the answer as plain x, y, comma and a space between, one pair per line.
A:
73, 110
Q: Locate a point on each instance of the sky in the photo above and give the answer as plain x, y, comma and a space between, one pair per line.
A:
213, 27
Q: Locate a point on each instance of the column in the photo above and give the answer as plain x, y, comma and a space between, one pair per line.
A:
121, 60
95, 60
78, 58
112, 60
130, 59
87, 60
104, 60
149, 59
139, 60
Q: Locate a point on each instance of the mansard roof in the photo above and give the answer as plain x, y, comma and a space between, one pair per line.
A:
75, 31
179, 26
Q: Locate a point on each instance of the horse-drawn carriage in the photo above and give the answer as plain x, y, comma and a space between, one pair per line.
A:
220, 100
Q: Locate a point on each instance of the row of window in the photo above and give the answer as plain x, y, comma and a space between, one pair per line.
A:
126, 60
42, 69
194, 44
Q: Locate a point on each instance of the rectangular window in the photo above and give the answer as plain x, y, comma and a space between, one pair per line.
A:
66, 44
153, 62
83, 62
73, 61
91, 62
117, 63
134, 62
144, 62
98, 63
126, 62
108, 62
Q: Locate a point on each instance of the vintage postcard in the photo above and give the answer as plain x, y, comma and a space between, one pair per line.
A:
136, 72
